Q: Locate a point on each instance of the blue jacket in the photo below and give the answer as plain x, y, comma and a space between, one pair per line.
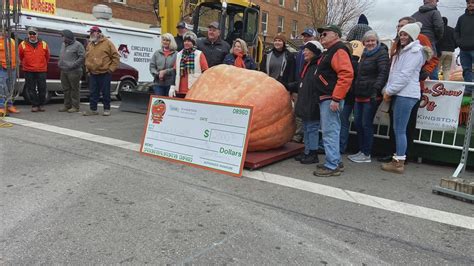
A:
299, 63
248, 61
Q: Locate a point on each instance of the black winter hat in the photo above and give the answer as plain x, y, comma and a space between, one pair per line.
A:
68, 34
363, 20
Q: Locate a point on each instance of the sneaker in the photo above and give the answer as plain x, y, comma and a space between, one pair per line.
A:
106, 113
13, 110
361, 159
73, 110
63, 109
90, 112
35, 109
326, 172
340, 166
354, 155
41, 109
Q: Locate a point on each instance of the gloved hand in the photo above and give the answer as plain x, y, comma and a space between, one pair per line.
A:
172, 92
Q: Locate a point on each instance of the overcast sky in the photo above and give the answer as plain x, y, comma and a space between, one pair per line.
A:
384, 15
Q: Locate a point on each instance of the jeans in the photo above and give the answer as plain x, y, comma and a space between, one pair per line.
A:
99, 83
364, 114
70, 83
434, 74
311, 135
5, 91
331, 127
402, 108
345, 127
467, 58
161, 90
35, 84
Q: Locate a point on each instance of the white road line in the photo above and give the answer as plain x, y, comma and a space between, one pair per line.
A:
102, 105
328, 191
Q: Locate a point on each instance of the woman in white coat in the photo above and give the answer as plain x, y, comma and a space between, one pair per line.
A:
403, 82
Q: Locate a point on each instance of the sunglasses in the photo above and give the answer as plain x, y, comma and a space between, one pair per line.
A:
32, 33
324, 34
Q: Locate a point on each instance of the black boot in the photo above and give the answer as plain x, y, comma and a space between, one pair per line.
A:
312, 157
300, 157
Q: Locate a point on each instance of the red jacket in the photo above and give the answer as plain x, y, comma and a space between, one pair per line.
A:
34, 59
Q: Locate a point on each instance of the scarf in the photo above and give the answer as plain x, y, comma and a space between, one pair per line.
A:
368, 53
186, 66
239, 60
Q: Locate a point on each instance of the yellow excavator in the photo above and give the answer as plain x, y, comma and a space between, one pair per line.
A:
237, 19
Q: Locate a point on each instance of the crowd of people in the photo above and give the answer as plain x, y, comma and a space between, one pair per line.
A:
328, 78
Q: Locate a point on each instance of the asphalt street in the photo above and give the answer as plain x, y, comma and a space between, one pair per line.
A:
67, 200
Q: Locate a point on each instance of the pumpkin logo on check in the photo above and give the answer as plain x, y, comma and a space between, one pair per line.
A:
158, 110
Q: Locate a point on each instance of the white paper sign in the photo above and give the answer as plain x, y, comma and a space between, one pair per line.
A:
208, 135
440, 105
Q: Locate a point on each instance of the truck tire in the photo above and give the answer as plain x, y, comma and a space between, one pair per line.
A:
125, 85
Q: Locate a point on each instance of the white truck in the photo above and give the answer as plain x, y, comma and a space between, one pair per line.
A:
136, 46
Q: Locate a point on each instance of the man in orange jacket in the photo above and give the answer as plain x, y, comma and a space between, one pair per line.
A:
334, 78
4, 78
34, 56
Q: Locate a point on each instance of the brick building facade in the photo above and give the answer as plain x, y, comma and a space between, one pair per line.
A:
286, 16
138, 13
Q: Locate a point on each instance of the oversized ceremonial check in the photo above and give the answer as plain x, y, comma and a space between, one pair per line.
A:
207, 135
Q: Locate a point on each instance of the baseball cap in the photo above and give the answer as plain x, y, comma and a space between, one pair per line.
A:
309, 31
32, 29
332, 28
181, 24
214, 24
94, 29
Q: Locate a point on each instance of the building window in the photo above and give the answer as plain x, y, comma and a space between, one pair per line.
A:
119, 1
294, 29
296, 6
264, 22
282, 2
281, 22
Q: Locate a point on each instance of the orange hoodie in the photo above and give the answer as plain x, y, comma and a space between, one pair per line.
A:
3, 53
34, 59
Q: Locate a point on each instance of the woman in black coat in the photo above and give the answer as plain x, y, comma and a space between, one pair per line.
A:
307, 105
372, 76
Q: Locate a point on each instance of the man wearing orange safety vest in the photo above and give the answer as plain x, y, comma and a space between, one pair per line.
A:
4, 79
34, 56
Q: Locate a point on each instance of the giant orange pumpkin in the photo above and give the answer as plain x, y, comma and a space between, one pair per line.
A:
273, 122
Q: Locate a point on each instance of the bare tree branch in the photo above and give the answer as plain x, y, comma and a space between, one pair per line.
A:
339, 12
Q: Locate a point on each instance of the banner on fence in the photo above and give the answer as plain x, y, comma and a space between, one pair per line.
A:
440, 105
